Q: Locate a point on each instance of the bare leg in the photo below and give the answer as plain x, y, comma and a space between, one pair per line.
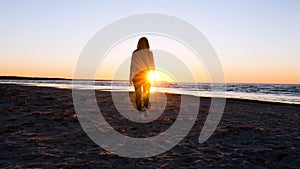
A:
146, 93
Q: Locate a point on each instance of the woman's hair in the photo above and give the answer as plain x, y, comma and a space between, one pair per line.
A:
143, 44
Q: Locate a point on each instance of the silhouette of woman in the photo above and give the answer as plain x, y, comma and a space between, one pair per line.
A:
142, 63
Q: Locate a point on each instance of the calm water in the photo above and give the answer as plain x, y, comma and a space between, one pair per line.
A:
284, 93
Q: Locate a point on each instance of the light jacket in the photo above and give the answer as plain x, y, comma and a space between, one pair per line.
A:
141, 60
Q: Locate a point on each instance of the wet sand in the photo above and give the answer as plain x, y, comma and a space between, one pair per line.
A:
39, 129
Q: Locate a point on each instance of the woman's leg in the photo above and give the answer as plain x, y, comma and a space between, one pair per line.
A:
142, 89
146, 92
138, 95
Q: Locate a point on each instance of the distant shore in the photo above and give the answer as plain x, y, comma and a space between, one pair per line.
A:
30, 78
45, 78
39, 128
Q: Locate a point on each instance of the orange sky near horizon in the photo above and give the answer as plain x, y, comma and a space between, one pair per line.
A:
237, 76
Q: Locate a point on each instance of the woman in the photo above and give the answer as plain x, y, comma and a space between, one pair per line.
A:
142, 63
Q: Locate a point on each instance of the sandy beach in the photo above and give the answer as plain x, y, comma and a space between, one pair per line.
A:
40, 129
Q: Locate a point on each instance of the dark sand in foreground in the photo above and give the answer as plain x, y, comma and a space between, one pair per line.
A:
39, 128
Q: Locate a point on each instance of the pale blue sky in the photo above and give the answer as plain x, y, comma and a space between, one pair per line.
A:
256, 41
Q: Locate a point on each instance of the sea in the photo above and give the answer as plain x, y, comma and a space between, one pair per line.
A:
281, 93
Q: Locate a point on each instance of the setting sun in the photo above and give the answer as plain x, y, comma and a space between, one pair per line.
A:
153, 76
160, 75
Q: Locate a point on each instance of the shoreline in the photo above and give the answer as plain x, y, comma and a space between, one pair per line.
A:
201, 97
40, 129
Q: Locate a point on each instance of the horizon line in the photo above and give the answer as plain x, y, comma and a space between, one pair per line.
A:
60, 78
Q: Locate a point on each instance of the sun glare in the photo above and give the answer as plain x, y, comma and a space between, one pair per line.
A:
153, 76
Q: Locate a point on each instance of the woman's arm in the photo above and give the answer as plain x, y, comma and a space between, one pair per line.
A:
132, 65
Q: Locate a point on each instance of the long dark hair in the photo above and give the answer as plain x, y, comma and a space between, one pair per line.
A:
143, 44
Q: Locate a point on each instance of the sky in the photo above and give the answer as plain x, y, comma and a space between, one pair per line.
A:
256, 41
